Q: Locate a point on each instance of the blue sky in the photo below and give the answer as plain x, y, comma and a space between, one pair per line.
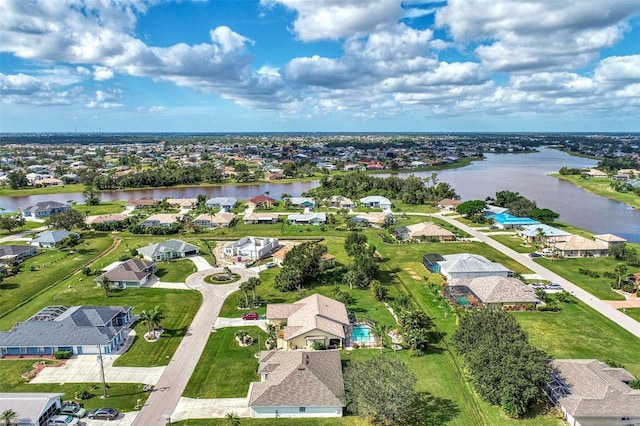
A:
319, 65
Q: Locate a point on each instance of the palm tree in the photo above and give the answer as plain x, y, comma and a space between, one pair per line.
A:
145, 318
380, 330
7, 415
245, 287
152, 318
232, 419
105, 283
158, 316
252, 283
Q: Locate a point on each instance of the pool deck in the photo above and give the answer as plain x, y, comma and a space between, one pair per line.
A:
349, 341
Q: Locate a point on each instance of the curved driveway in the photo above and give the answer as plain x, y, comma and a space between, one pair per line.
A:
163, 401
604, 308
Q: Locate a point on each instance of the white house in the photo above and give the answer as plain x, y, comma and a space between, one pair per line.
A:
375, 202
32, 409
251, 248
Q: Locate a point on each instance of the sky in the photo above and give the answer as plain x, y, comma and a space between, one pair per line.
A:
319, 66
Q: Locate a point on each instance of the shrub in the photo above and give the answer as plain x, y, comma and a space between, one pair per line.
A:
83, 394
124, 258
62, 354
628, 287
318, 346
551, 307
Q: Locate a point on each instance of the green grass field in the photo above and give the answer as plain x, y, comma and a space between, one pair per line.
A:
602, 187
632, 312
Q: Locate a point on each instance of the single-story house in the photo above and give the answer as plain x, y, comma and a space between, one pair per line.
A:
427, 231
507, 221
166, 250
49, 239
182, 203
130, 273
449, 204
44, 209
160, 219
610, 239
32, 409
590, 393
340, 202
466, 265
275, 176
260, 218
260, 202
499, 292
541, 232
492, 210
105, 218
78, 329
144, 203
251, 248
280, 254
222, 203
307, 219
12, 254
368, 219
313, 319
215, 220
577, 246
302, 202
298, 384
375, 202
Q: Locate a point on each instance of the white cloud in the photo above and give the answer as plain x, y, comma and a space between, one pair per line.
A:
105, 99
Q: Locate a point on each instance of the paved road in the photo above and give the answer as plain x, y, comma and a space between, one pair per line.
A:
164, 400
604, 308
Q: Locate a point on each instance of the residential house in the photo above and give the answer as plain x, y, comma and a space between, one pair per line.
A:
375, 202
260, 218
49, 239
339, 202
492, 210
465, 265
251, 248
161, 219
182, 203
507, 221
427, 231
302, 202
610, 239
166, 250
32, 409
327, 261
78, 329
541, 233
280, 254
13, 254
130, 273
275, 176
215, 220
369, 219
44, 209
225, 204
499, 292
307, 219
449, 204
577, 246
260, 202
144, 203
590, 393
313, 319
105, 218
298, 384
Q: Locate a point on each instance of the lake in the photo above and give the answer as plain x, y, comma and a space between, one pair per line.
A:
523, 173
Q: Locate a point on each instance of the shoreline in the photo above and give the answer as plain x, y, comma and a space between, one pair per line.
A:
601, 190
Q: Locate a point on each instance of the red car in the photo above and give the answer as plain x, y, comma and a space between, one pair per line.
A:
251, 316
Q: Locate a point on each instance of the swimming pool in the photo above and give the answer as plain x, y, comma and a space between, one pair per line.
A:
361, 333
462, 300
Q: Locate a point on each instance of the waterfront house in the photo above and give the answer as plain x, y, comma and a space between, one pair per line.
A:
449, 204
541, 233
339, 202
252, 248
161, 219
609, 239
144, 203
223, 203
375, 202
464, 265
577, 246
32, 409
14, 254
170, 249
260, 202
507, 221
182, 203
313, 319
215, 220
44, 209
77, 329
260, 218
130, 273
298, 384
49, 239
302, 202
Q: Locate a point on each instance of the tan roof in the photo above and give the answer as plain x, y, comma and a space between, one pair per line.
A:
373, 217
143, 202
450, 202
282, 253
182, 202
576, 242
299, 379
597, 390
428, 229
263, 216
494, 289
90, 220
163, 217
609, 238
216, 217
315, 312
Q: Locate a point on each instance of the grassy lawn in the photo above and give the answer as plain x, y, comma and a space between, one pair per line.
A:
28, 225
225, 369
601, 186
632, 312
175, 271
105, 207
49, 267
24, 192
122, 396
514, 242
568, 268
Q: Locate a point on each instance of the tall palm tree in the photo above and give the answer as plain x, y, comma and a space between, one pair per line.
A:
7, 415
232, 419
380, 330
145, 318
252, 283
158, 315
245, 288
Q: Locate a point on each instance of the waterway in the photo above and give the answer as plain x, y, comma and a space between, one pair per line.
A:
523, 173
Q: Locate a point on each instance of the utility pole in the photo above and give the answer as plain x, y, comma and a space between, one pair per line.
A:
104, 383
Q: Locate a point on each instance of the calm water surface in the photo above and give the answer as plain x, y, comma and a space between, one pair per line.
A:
523, 173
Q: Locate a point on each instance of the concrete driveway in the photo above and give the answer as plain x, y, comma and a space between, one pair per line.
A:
200, 262
189, 408
86, 369
239, 322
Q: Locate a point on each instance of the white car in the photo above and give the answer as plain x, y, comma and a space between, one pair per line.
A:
553, 286
63, 420
270, 265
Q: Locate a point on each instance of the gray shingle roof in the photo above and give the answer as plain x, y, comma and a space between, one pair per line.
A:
166, 246
466, 262
313, 312
130, 270
14, 250
299, 379
43, 206
498, 289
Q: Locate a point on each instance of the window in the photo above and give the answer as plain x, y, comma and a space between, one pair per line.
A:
302, 409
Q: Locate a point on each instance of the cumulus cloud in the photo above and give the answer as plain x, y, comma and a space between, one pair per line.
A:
101, 73
105, 99
29, 90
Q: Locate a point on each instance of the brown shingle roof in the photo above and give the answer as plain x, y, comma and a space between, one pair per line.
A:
313, 312
494, 289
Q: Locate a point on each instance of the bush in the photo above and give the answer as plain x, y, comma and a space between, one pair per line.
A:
628, 287
548, 308
318, 346
62, 354
124, 258
83, 394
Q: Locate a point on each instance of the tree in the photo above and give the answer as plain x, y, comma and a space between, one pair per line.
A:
301, 265
70, 241
245, 287
152, 318
289, 279
543, 215
355, 241
471, 207
618, 275
9, 222
105, 283
380, 330
503, 367
252, 283
66, 220
17, 180
7, 416
91, 194
381, 389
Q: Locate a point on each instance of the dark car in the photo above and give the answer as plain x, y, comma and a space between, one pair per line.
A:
250, 316
535, 254
105, 413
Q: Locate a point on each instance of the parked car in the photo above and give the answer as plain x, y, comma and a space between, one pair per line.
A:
251, 316
63, 420
537, 285
493, 227
554, 286
534, 254
105, 413
270, 264
73, 409
250, 263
